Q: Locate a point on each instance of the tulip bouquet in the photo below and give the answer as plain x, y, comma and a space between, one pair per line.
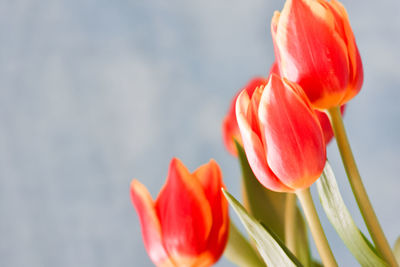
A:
278, 126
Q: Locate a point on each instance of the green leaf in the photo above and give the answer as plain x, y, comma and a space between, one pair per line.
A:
272, 210
371, 246
340, 218
268, 244
239, 251
396, 250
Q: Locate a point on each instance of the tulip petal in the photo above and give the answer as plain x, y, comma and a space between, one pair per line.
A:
254, 84
254, 148
184, 213
296, 149
356, 84
325, 126
252, 111
230, 130
356, 68
322, 117
210, 177
311, 52
274, 69
343, 27
151, 229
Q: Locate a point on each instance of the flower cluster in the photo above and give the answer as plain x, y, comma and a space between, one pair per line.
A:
317, 66
281, 122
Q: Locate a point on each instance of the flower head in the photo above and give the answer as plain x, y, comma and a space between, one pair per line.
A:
188, 223
282, 137
315, 47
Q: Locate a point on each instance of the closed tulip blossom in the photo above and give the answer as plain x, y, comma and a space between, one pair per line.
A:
316, 48
282, 136
188, 224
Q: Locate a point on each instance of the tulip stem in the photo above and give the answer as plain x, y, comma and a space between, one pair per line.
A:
317, 232
290, 222
239, 251
358, 188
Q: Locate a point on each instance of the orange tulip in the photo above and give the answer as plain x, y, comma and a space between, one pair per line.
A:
230, 129
188, 223
315, 47
282, 137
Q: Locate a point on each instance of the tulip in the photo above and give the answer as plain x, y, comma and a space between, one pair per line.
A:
188, 223
281, 134
315, 47
230, 129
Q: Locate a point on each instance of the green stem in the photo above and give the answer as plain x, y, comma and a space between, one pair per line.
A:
290, 222
239, 251
357, 186
317, 232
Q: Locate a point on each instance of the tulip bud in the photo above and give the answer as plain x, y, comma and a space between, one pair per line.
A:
188, 224
315, 47
282, 137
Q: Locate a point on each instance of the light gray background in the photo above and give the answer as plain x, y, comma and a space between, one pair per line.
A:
94, 93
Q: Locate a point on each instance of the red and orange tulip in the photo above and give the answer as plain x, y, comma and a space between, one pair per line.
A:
281, 134
315, 47
188, 224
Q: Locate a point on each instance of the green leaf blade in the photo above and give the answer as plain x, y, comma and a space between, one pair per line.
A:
340, 218
268, 244
239, 251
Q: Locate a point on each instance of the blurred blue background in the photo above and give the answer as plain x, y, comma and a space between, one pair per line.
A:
95, 93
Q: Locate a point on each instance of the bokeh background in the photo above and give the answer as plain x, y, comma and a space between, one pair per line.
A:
95, 93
